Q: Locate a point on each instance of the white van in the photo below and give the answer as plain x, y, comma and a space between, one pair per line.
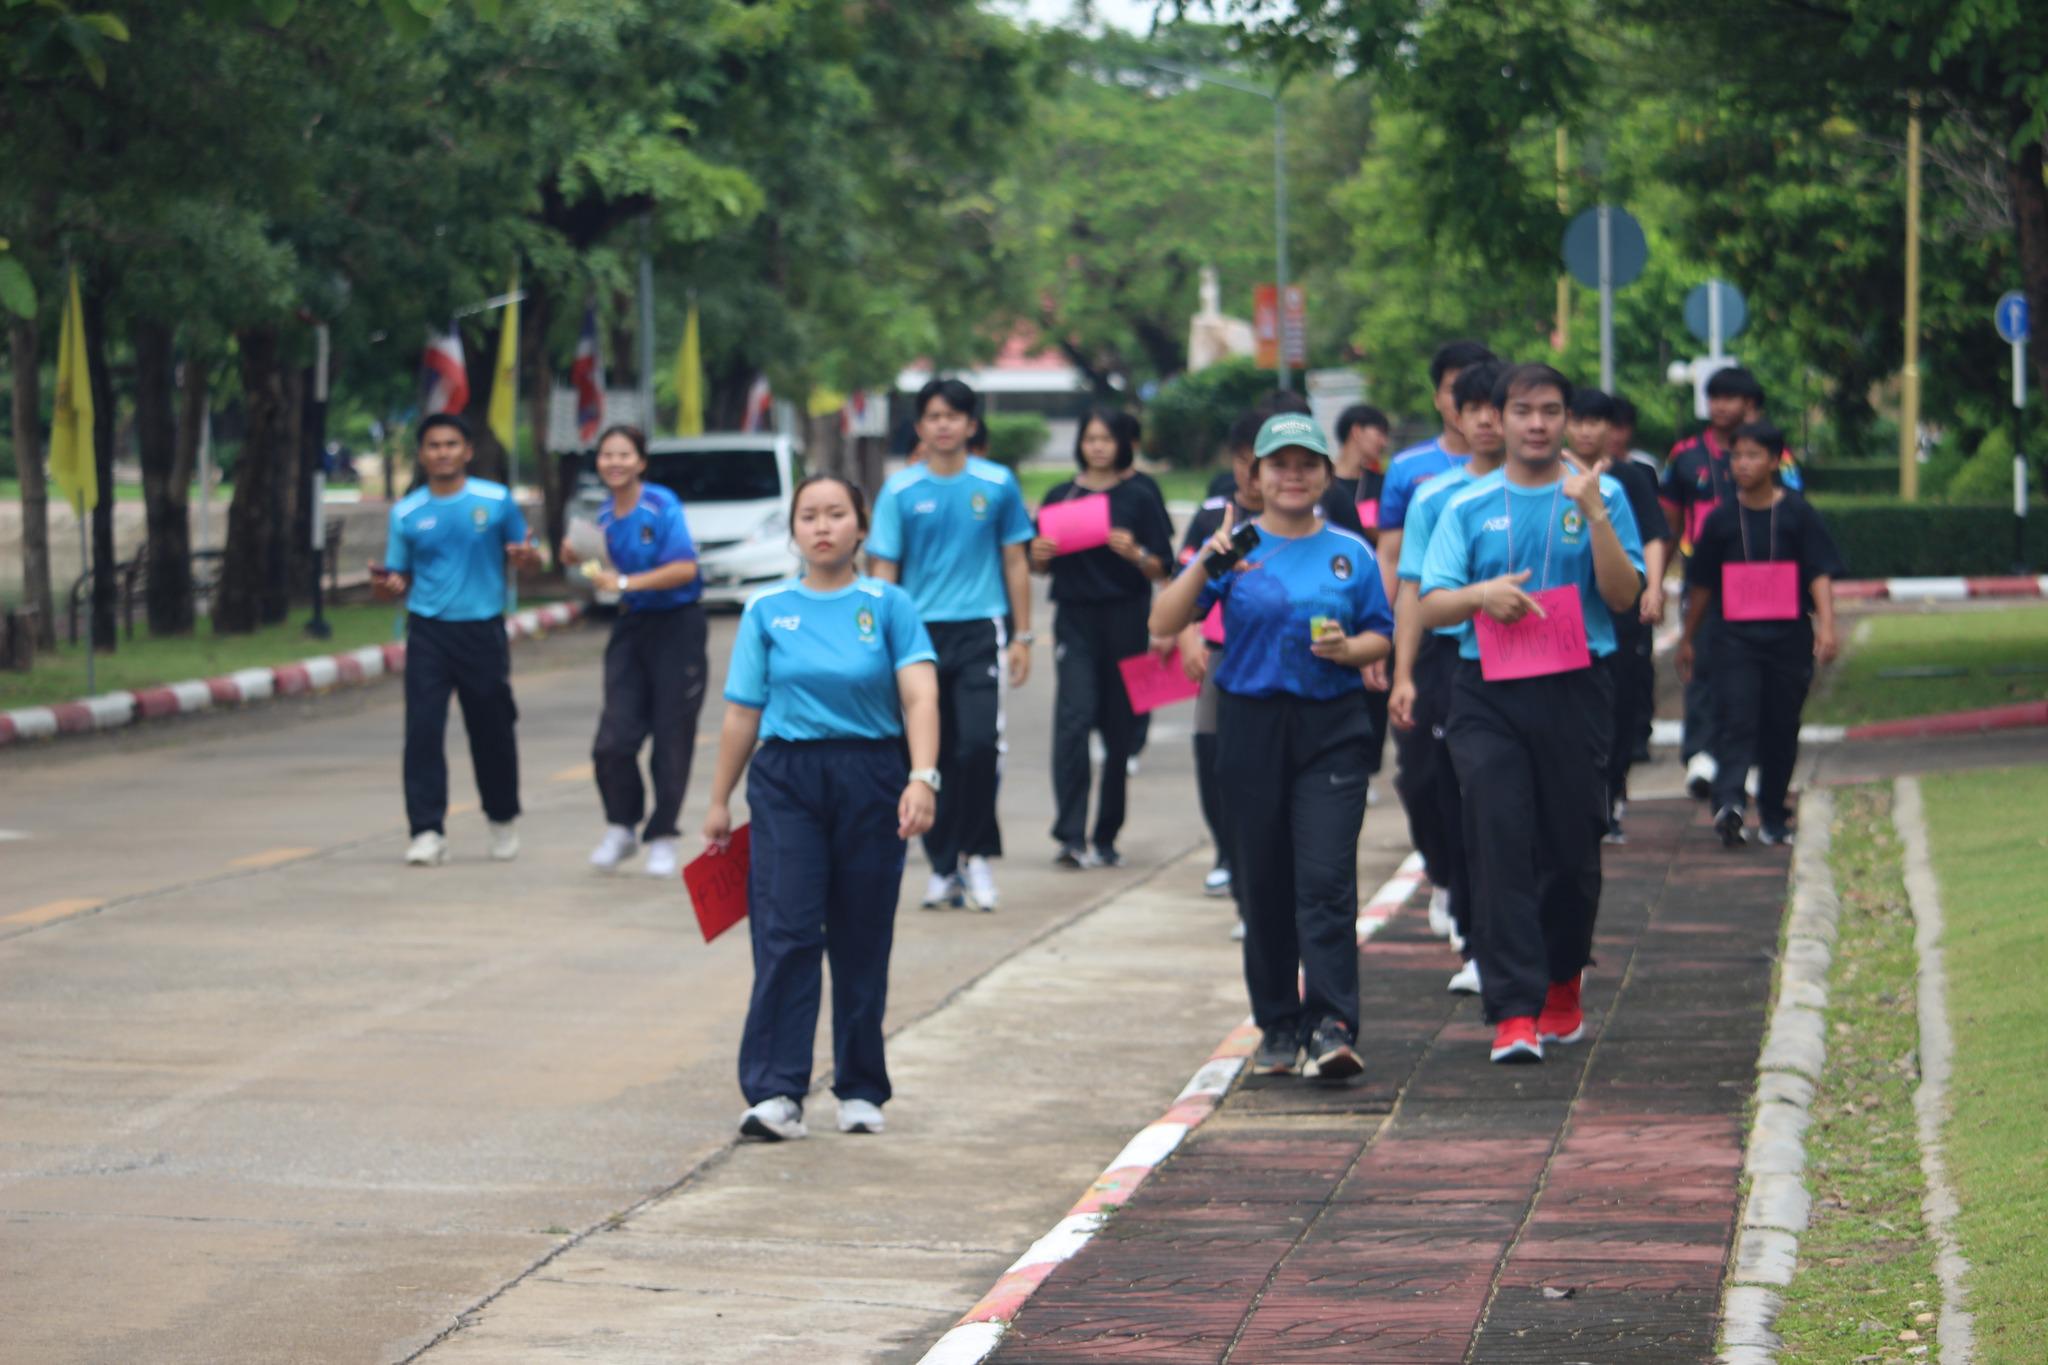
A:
735, 490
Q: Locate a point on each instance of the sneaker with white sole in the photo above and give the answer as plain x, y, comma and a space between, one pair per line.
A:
1131, 766
1331, 1055
1237, 931
504, 840
429, 848
617, 845
661, 859
1279, 1052
1699, 775
942, 891
1217, 882
1440, 922
1466, 981
780, 1119
981, 885
859, 1116
1728, 824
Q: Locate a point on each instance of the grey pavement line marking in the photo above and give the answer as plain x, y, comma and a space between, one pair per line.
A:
1789, 1068
1500, 1265
718, 1157
1955, 1332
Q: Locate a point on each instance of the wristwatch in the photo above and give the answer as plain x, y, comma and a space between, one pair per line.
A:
928, 776
1027, 638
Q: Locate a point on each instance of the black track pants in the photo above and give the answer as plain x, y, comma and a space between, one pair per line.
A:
1759, 693
971, 686
654, 674
1089, 638
472, 660
1428, 781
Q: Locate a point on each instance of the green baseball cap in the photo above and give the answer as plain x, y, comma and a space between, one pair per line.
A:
1290, 429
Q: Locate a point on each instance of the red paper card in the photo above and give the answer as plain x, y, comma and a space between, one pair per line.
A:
1212, 625
717, 883
1153, 682
1768, 591
1535, 645
1077, 524
1369, 515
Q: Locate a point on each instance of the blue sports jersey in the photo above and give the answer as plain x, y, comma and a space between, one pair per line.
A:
946, 537
1267, 605
822, 665
454, 549
1424, 509
1411, 469
1470, 545
649, 536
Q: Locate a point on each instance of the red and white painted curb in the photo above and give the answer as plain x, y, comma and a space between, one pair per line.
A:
977, 1333
1941, 589
113, 710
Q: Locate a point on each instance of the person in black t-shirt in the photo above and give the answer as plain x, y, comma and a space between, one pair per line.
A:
1103, 595
1363, 435
1762, 573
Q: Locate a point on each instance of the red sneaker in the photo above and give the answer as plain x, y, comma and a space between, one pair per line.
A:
1562, 1020
1515, 1040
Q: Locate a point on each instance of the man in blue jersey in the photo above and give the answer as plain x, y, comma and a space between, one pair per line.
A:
446, 554
1417, 465
952, 530
1532, 708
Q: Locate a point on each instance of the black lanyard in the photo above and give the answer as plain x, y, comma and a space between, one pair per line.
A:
1771, 539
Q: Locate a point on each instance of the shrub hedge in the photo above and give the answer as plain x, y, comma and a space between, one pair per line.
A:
1186, 422
1888, 538
1014, 437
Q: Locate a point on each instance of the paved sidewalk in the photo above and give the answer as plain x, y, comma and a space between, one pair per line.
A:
1445, 1209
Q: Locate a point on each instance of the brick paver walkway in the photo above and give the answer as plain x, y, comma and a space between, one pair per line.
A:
1446, 1209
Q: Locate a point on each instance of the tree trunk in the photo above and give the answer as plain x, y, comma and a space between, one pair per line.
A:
540, 376
168, 596
826, 450
247, 564
194, 399
35, 488
287, 545
2023, 173
105, 580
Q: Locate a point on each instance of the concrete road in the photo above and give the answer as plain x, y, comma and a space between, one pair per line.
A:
267, 1095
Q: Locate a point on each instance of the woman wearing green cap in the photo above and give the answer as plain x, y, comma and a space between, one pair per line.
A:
1304, 611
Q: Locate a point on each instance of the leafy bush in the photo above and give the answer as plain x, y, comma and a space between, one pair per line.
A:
1186, 423
1888, 538
1014, 437
1986, 475
1846, 478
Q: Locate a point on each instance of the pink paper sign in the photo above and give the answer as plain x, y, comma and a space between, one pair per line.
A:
1077, 524
1212, 625
1768, 591
1369, 515
1535, 645
1153, 682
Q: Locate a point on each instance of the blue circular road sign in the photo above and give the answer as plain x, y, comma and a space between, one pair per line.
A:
1698, 310
1630, 249
2012, 317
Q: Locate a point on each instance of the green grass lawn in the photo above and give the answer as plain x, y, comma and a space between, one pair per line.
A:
1179, 485
145, 662
1979, 641
10, 491
1989, 842
1866, 1266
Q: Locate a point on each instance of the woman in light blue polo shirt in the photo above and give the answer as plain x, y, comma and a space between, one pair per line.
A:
833, 676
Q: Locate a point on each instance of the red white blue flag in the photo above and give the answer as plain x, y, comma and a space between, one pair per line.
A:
444, 376
587, 374
760, 413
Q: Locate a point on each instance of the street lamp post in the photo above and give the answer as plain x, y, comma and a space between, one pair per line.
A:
1279, 189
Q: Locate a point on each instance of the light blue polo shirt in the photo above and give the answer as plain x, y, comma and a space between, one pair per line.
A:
946, 536
651, 535
1423, 510
1409, 471
1470, 545
1269, 602
822, 665
454, 549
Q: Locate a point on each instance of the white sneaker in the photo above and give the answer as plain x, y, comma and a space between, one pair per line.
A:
981, 885
1466, 982
859, 1116
1131, 766
1699, 775
1237, 931
504, 840
1456, 940
780, 1119
1217, 883
1372, 795
617, 845
941, 891
661, 858
429, 848
1440, 922
1751, 782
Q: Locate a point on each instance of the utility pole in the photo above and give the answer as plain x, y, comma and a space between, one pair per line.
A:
1909, 387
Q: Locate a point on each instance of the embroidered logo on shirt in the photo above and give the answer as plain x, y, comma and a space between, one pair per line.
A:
786, 622
1573, 522
1496, 524
924, 509
481, 516
426, 523
1340, 565
979, 502
647, 535
864, 620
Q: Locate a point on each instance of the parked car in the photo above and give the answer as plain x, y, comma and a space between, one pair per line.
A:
735, 490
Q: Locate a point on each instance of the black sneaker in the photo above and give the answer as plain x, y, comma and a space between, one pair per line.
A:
1107, 856
1728, 824
1772, 835
1071, 856
1279, 1053
1330, 1054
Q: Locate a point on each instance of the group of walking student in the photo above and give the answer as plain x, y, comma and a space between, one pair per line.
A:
1488, 597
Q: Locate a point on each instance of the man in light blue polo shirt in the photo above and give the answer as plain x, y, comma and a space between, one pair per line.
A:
952, 531
1417, 465
447, 552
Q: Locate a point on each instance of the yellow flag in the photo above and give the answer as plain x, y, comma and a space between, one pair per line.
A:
690, 379
71, 454
505, 377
